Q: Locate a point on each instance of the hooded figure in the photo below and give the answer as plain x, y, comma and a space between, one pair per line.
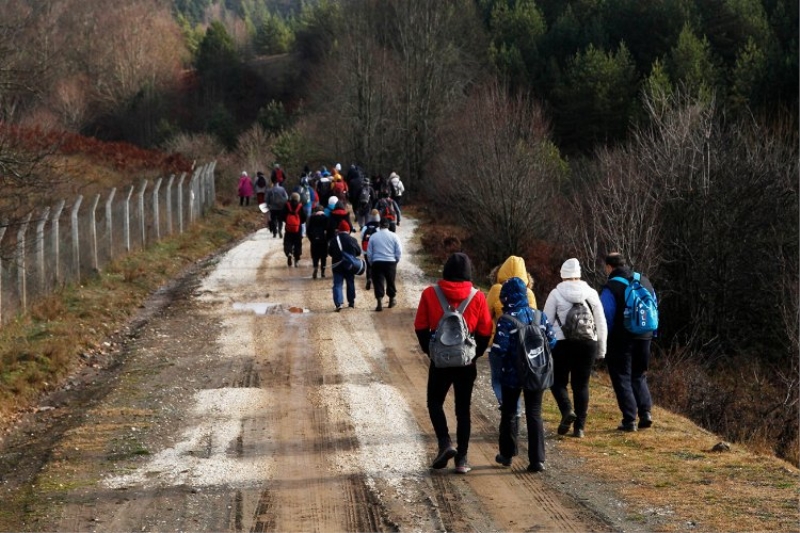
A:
513, 295
513, 267
456, 286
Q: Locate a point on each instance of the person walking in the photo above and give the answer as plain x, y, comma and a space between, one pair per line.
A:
316, 231
512, 267
337, 213
388, 209
456, 285
628, 356
367, 231
295, 217
276, 202
383, 254
245, 189
397, 188
577, 346
260, 187
514, 296
342, 241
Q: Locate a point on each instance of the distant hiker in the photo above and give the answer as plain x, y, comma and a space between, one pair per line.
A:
628, 356
383, 254
388, 209
514, 295
277, 175
456, 286
362, 202
324, 187
245, 189
337, 214
342, 241
316, 231
276, 199
577, 317
261, 187
294, 217
339, 187
367, 230
308, 196
397, 188
512, 267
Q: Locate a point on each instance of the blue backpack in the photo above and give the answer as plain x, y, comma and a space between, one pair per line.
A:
641, 309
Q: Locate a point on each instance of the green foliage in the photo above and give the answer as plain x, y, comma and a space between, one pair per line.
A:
222, 125
216, 53
273, 117
749, 76
289, 148
273, 35
516, 32
691, 63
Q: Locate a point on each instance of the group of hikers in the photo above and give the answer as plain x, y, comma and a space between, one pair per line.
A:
322, 207
576, 327
530, 350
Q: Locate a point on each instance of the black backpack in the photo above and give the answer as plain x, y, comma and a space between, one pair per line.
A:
534, 362
579, 323
261, 181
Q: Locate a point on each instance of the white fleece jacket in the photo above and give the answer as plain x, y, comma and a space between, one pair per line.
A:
560, 300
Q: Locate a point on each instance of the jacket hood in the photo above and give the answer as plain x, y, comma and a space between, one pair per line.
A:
622, 272
455, 290
514, 294
513, 267
573, 291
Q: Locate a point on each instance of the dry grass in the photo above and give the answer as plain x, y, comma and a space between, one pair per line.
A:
670, 469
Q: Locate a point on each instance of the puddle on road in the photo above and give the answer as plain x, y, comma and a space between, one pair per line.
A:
263, 308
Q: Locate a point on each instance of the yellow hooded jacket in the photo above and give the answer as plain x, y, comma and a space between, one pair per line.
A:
513, 267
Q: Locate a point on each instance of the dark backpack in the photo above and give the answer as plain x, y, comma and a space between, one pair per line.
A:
385, 207
364, 196
261, 181
324, 188
641, 309
452, 345
293, 218
579, 323
534, 362
367, 234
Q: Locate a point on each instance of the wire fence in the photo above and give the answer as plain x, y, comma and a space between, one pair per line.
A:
67, 243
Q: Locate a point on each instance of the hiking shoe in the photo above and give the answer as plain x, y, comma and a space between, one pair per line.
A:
379, 307
629, 428
289, 260
535, 467
502, 459
369, 285
566, 423
577, 433
280, 234
392, 302
314, 274
461, 465
296, 262
322, 272
645, 421
351, 304
445, 454
338, 308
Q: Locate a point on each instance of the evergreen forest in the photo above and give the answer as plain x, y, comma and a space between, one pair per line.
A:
664, 129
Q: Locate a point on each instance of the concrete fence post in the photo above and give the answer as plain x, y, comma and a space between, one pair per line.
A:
76, 247
127, 220
110, 223
193, 197
168, 201
93, 232
56, 236
40, 259
3, 228
156, 220
22, 262
141, 213
180, 202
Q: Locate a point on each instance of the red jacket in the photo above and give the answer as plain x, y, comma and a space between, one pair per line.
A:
429, 312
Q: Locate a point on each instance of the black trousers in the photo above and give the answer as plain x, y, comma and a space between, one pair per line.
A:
319, 253
462, 379
293, 244
383, 277
572, 365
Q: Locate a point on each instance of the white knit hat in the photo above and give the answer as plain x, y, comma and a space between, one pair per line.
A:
332, 201
571, 269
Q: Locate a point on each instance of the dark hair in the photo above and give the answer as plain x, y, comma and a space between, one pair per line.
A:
458, 267
615, 260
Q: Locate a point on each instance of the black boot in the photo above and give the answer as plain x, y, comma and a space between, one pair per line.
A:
369, 284
314, 274
446, 452
322, 272
392, 302
379, 307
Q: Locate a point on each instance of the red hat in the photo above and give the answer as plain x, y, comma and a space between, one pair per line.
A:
344, 226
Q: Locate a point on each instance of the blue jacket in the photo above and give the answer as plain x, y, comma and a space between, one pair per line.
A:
514, 296
384, 246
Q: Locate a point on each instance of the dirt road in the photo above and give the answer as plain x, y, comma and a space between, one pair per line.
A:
244, 403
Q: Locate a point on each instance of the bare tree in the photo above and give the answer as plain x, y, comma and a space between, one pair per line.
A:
498, 172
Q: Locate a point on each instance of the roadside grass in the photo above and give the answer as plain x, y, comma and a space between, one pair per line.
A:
59, 333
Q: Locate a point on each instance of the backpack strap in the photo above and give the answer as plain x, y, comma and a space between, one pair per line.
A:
622, 280
446, 305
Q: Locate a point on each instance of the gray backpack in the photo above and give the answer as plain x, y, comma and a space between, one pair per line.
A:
579, 323
452, 345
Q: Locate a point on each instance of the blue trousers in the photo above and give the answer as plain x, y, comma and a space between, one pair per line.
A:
627, 363
338, 281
